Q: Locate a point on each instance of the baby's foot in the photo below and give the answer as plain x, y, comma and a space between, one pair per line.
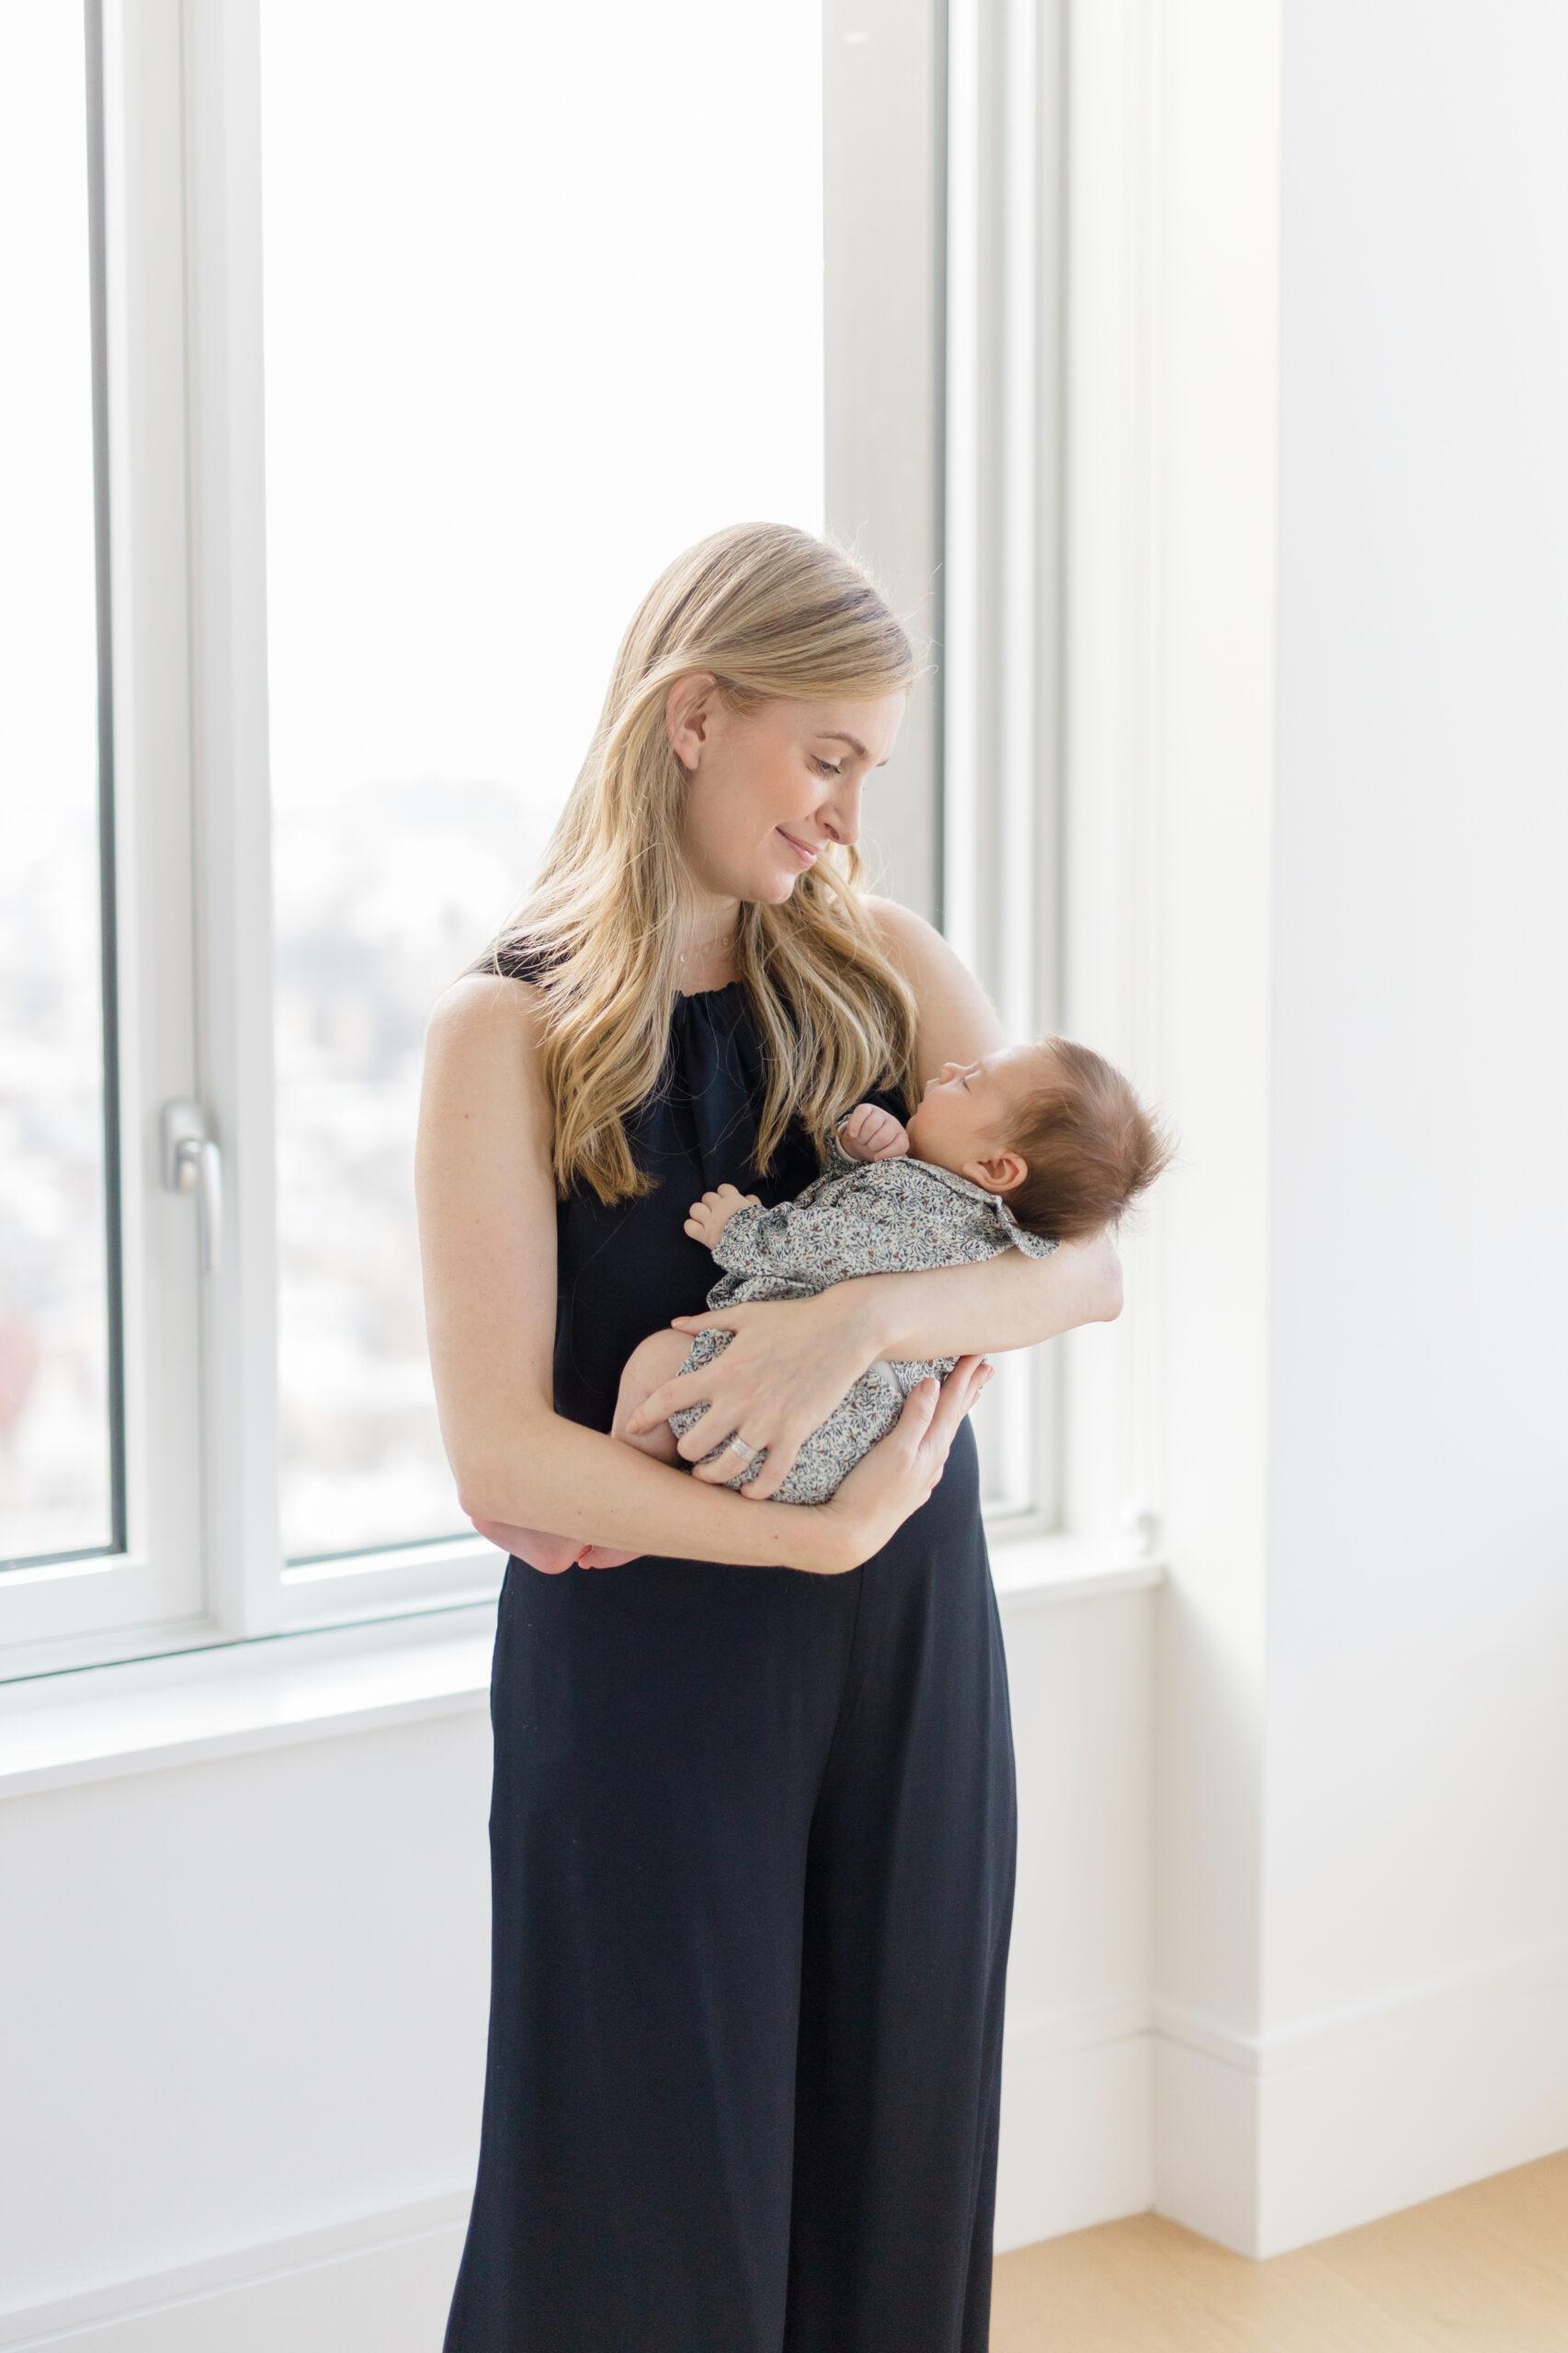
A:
604, 1556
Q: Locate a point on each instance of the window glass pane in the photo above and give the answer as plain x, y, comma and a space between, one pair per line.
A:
543, 305
57, 1442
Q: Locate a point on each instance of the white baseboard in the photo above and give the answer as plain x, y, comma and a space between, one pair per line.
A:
381, 2281
1207, 2136
1076, 2143
1268, 2144
1262, 2143
1076, 2124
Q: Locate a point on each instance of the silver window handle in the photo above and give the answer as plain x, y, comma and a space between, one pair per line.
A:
193, 1164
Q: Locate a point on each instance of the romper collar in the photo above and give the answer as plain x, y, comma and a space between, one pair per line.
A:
1033, 1246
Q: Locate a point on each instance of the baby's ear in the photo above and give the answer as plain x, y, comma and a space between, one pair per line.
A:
999, 1171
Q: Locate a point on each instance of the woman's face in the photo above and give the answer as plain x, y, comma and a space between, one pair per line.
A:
772, 787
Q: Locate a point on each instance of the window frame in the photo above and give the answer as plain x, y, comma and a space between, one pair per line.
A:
945, 364
936, 393
77, 1611
1002, 799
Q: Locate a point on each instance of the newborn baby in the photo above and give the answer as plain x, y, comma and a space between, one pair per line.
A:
1032, 1146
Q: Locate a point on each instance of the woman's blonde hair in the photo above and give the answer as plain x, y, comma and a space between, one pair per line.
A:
774, 615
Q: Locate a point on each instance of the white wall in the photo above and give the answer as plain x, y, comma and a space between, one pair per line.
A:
1362, 1985
242, 2013
1417, 1777
1076, 2093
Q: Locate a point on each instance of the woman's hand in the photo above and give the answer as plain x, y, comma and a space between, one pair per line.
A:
789, 1363
898, 1475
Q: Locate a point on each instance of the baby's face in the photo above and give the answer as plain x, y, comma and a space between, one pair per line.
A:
970, 1109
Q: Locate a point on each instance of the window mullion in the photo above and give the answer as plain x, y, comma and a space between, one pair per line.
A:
1001, 539
883, 118
229, 735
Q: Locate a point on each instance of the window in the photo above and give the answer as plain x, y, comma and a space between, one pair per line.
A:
1001, 555
100, 1455
516, 357
380, 358
62, 1491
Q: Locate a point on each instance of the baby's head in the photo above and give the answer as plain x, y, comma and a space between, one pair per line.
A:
1051, 1126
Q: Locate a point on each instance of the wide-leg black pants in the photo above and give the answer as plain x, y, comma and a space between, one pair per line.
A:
753, 1839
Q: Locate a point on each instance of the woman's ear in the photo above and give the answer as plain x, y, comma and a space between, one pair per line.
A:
1000, 1172
688, 709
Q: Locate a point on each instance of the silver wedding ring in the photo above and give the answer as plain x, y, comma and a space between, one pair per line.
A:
737, 1445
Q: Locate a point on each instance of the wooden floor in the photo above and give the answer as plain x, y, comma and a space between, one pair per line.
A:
1482, 2271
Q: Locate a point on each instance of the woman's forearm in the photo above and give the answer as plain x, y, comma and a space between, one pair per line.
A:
1005, 1302
555, 1474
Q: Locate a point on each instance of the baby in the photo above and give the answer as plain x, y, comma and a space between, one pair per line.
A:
1029, 1147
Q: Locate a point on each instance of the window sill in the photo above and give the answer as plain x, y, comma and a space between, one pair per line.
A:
1029, 1572
100, 1723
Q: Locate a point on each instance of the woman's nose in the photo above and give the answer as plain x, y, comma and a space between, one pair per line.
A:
841, 814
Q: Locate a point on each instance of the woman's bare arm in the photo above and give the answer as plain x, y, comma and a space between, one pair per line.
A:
488, 1238
792, 1359
1010, 1301
957, 1021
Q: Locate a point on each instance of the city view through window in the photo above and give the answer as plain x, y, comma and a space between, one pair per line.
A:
543, 296
56, 1325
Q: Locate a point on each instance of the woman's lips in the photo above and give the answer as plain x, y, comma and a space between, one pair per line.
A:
803, 850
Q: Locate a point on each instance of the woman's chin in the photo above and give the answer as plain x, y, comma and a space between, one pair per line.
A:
768, 884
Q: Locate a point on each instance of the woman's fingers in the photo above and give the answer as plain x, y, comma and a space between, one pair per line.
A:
781, 1453
673, 1396
957, 1395
920, 1410
951, 1401
912, 1431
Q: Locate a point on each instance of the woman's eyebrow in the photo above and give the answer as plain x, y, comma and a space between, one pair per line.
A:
832, 736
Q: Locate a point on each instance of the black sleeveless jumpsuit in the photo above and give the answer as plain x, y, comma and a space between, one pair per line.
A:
752, 1844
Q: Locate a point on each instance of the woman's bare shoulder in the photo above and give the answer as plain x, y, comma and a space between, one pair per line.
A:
486, 1013
906, 939
481, 1055
957, 1019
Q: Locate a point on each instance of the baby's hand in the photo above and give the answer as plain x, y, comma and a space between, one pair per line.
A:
708, 1218
871, 1134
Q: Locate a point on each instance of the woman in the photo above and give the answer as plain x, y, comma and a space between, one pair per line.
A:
752, 1833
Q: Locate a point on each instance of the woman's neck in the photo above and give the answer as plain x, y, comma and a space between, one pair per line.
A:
708, 957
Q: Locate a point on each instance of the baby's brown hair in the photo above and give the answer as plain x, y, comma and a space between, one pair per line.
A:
1091, 1146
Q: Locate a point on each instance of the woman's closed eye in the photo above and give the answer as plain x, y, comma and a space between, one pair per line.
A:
826, 767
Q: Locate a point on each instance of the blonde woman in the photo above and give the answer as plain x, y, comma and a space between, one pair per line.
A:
752, 1833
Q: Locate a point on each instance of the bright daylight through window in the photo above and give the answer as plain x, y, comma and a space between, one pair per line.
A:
521, 350
59, 1442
